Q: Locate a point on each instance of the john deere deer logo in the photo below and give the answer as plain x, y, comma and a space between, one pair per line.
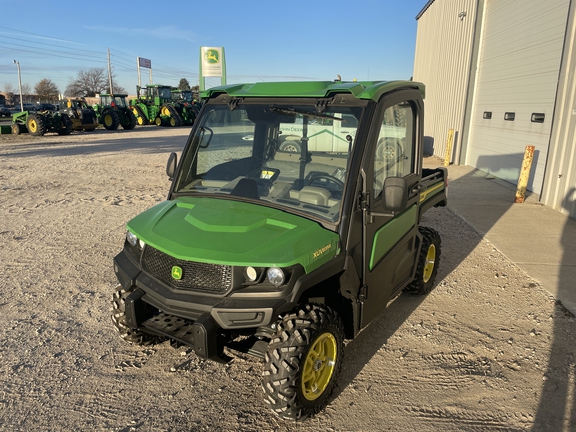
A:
177, 272
212, 56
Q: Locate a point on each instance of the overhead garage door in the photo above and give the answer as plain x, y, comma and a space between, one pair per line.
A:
518, 68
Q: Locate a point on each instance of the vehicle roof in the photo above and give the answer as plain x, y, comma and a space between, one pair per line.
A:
359, 89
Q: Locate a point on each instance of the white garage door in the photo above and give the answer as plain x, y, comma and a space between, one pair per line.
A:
518, 69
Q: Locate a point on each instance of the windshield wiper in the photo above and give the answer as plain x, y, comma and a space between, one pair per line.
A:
294, 112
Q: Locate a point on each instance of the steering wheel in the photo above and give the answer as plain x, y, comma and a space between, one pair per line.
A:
326, 177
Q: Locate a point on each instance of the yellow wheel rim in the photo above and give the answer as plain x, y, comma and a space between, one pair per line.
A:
430, 263
108, 120
140, 120
32, 126
172, 121
165, 111
319, 366
158, 121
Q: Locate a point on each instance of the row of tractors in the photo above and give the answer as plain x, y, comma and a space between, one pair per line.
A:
154, 104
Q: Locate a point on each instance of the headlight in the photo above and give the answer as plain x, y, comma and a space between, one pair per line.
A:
132, 239
250, 274
275, 276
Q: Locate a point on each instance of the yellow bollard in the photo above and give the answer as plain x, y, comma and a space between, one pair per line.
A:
448, 153
524, 174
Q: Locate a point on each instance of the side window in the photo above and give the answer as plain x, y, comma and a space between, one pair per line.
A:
394, 155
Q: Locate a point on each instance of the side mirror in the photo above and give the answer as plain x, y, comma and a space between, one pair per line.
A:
395, 195
171, 165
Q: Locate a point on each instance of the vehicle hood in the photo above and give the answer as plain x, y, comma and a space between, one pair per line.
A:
231, 232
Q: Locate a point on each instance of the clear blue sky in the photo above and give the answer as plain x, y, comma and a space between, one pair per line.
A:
264, 40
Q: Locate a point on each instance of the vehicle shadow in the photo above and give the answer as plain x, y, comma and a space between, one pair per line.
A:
557, 408
481, 200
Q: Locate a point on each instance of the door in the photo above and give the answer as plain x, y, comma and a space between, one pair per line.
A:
390, 240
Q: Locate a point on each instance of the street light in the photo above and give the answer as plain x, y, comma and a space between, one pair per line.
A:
19, 84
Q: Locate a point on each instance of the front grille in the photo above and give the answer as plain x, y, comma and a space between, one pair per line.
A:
196, 276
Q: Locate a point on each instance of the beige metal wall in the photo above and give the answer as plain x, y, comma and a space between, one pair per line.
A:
444, 49
518, 67
559, 190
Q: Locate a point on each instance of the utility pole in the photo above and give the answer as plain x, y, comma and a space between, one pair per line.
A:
110, 74
19, 84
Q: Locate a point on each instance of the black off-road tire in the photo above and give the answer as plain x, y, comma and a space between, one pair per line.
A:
110, 119
129, 120
428, 262
66, 125
35, 125
130, 335
303, 361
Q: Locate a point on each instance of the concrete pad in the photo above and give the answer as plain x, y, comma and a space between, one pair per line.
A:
536, 238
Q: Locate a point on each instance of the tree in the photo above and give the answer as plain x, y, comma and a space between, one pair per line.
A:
91, 82
46, 90
184, 84
9, 92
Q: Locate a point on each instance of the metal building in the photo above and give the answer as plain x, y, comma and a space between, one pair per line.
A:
500, 73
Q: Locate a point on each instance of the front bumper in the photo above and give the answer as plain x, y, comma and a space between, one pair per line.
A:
199, 320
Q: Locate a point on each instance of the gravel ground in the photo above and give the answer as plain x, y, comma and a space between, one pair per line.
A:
488, 349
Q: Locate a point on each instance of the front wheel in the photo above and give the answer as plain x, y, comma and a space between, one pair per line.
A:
119, 320
428, 262
302, 361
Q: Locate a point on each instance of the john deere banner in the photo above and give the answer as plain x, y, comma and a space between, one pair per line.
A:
212, 64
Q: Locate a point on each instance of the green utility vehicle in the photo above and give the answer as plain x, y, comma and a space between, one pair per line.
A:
147, 107
113, 111
283, 252
41, 122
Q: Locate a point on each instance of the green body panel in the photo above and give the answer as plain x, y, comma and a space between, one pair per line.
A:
391, 233
361, 90
234, 233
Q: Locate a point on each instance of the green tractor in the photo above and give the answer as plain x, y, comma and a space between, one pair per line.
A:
113, 111
148, 105
41, 122
186, 108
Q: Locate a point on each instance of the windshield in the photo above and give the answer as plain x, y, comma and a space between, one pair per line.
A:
120, 101
287, 156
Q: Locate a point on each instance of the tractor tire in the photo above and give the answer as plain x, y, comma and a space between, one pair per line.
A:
130, 120
302, 361
15, 129
141, 119
159, 122
130, 335
110, 119
66, 125
35, 125
428, 262
175, 119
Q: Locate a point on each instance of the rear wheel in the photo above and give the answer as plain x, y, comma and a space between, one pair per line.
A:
66, 125
110, 119
35, 125
130, 120
119, 320
428, 261
303, 361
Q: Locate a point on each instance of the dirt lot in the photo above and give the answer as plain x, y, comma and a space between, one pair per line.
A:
488, 349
